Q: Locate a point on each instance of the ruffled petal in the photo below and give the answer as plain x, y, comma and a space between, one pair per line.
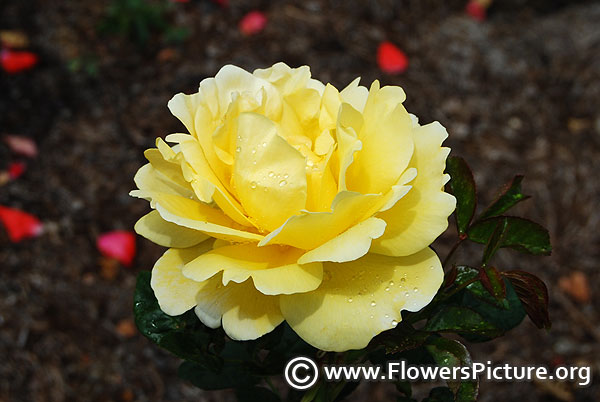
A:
273, 269
244, 312
154, 228
419, 217
357, 300
175, 293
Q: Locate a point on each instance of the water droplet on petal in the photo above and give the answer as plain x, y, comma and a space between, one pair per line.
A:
253, 150
264, 144
387, 289
253, 185
415, 290
271, 174
391, 283
238, 149
350, 300
282, 183
394, 323
402, 279
371, 316
406, 294
373, 303
285, 176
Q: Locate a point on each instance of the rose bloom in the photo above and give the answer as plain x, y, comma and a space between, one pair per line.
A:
290, 200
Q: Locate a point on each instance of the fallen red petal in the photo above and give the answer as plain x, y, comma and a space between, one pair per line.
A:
222, 3
119, 245
476, 10
253, 23
21, 145
391, 59
19, 225
16, 169
16, 61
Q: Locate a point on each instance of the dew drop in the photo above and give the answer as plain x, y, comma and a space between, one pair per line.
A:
415, 290
285, 176
238, 149
309, 163
394, 323
264, 144
402, 280
282, 183
406, 294
387, 289
253, 150
373, 303
391, 283
271, 174
254, 162
350, 300
253, 185
387, 316
371, 316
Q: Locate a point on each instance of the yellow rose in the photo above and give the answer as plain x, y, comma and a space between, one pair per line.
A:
323, 205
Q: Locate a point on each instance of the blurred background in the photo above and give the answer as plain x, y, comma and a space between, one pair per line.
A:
83, 91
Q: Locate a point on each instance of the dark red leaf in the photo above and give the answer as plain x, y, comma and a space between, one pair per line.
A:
493, 282
13, 61
118, 244
253, 23
391, 59
19, 225
533, 294
16, 169
222, 3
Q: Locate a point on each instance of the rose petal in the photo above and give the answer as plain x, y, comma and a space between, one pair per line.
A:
16, 61
118, 244
21, 145
16, 169
253, 23
19, 225
476, 10
391, 59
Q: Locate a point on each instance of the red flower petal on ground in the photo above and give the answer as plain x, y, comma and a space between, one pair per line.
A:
21, 145
391, 59
476, 10
19, 225
16, 61
222, 3
16, 169
252, 23
118, 244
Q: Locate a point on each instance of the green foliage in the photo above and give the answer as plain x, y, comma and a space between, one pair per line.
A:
462, 185
138, 20
477, 303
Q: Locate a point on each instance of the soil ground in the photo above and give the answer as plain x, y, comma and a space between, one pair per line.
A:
519, 93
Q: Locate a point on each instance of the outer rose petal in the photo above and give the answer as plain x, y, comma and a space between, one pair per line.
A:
387, 143
420, 216
175, 293
273, 269
357, 300
245, 312
167, 234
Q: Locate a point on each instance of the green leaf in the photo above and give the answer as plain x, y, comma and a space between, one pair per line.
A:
520, 234
450, 353
533, 294
493, 282
462, 320
401, 338
462, 186
475, 314
229, 376
495, 240
509, 197
183, 335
